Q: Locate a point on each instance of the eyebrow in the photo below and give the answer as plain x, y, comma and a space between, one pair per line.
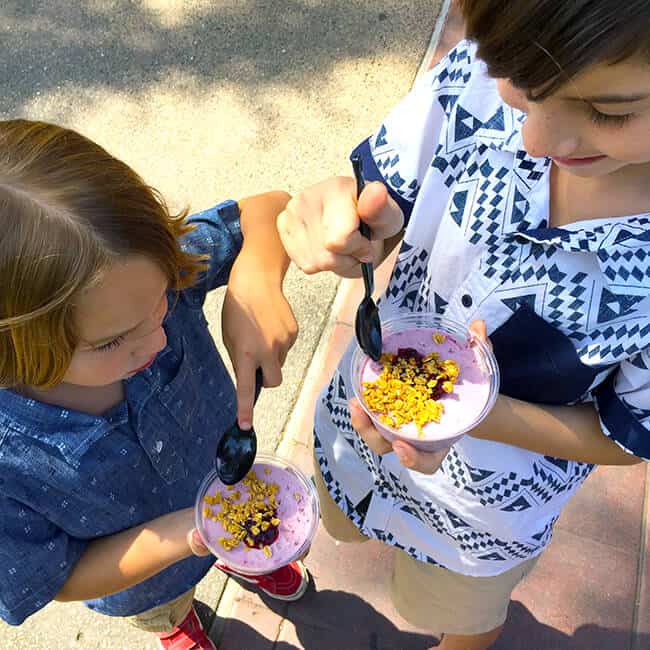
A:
615, 99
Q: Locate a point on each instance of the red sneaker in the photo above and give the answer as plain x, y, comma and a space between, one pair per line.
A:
286, 583
189, 635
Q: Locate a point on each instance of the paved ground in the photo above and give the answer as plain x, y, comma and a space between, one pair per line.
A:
342, 68
210, 99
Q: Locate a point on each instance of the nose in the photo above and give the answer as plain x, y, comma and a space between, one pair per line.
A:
153, 342
546, 133
150, 345
159, 340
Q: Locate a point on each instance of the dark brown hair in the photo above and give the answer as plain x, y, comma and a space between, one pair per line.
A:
540, 44
68, 210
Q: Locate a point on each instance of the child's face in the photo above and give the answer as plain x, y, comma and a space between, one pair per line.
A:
594, 125
120, 324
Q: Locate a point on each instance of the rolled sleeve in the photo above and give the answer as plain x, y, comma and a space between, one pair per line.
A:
623, 403
36, 558
217, 234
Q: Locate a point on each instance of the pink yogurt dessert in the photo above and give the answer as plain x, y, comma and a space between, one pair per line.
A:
464, 407
297, 512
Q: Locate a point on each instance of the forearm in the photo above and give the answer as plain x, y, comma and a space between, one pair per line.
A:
262, 243
570, 432
111, 564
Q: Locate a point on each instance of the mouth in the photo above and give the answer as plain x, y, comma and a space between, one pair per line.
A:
578, 162
144, 367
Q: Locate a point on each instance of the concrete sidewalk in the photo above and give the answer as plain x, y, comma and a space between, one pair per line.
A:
211, 99
590, 590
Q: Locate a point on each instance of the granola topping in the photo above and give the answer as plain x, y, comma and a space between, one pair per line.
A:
410, 387
253, 521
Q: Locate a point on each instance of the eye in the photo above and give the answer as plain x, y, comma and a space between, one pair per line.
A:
604, 119
111, 345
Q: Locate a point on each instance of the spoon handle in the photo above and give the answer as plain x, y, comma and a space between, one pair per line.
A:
364, 229
259, 382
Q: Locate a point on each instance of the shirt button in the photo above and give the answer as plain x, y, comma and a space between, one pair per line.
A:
467, 300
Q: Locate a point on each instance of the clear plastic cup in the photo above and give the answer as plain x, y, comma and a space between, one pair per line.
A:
474, 393
298, 511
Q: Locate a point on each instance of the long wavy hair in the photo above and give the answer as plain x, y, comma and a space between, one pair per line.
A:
68, 210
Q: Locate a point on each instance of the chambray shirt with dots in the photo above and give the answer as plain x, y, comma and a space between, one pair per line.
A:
68, 477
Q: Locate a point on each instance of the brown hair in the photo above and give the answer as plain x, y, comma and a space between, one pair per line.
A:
540, 44
68, 209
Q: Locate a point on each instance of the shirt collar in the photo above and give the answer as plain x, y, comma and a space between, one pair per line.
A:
596, 235
513, 141
611, 237
70, 432
499, 129
621, 245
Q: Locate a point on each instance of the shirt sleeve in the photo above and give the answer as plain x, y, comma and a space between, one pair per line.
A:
401, 151
217, 233
623, 403
36, 558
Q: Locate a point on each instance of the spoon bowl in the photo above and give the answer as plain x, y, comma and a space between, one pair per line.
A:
367, 328
237, 448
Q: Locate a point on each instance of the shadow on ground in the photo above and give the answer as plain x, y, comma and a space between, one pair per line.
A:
124, 45
332, 619
524, 632
322, 619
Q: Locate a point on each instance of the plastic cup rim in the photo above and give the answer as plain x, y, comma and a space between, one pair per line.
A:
277, 461
456, 328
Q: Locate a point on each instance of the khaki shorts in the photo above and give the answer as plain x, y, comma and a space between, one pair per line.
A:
165, 617
428, 596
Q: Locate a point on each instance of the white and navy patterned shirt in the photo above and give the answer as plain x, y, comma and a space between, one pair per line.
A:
568, 312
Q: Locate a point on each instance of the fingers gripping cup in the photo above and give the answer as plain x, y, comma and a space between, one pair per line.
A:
434, 382
262, 523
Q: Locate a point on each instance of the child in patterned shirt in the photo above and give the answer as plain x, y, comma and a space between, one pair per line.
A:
515, 178
114, 394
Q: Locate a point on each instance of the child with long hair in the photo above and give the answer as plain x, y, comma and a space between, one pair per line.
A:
114, 395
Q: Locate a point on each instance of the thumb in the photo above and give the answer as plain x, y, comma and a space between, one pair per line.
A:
478, 329
379, 210
196, 544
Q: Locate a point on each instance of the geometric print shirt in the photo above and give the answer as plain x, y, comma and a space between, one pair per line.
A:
567, 310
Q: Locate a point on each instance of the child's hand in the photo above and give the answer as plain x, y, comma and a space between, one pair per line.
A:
479, 329
196, 544
320, 226
259, 328
409, 456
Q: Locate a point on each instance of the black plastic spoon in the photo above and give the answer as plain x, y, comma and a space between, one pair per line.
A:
366, 324
237, 448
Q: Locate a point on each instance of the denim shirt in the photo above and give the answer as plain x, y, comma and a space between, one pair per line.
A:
68, 477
